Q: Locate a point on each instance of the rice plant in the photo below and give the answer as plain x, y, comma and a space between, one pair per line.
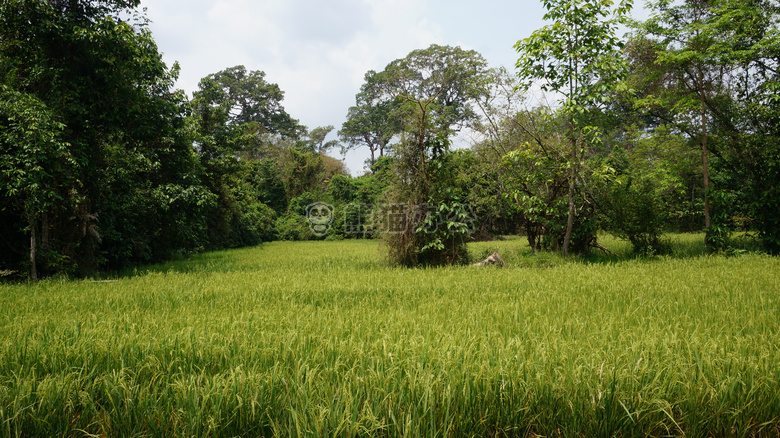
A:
324, 339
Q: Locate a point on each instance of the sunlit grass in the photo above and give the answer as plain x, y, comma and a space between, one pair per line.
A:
321, 338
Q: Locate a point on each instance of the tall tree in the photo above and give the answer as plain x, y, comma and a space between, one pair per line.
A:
437, 88
374, 120
680, 30
235, 96
237, 114
720, 62
100, 75
577, 57
234, 109
316, 138
36, 168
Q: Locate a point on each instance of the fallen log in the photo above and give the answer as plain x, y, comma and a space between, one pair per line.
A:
492, 259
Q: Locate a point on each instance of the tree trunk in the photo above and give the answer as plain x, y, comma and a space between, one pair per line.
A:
570, 220
45, 234
33, 269
704, 161
705, 169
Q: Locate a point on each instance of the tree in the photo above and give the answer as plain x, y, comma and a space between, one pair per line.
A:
236, 97
685, 44
537, 176
238, 117
506, 125
35, 165
316, 139
720, 61
101, 77
374, 120
577, 56
436, 88
234, 110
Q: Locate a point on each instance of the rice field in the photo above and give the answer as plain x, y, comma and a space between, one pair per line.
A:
323, 339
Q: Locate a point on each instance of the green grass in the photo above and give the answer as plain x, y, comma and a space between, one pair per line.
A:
322, 339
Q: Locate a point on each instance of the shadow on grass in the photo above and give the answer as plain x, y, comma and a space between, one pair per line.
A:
302, 256
226, 260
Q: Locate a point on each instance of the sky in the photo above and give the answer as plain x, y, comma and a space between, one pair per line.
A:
318, 51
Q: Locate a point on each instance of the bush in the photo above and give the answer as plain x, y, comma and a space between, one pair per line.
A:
428, 225
635, 212
298, 204
293, 226
257, 224
341, 188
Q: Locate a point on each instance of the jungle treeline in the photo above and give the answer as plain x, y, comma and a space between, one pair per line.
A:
674, 127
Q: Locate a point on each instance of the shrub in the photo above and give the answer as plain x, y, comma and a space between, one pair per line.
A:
257, 224
635, 212
292, 226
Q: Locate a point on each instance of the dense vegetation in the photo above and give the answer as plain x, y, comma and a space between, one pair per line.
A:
104, 165
324, 339
606, 321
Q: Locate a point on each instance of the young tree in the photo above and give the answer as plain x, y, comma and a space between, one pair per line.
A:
537, 175
578, 58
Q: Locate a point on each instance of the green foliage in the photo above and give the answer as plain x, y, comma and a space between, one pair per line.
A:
374, 120
437, 87
31, 152
36, 168
764, 207
536, 185
475, 181
235, 97
644, 187
98, 169
635, 212
316, 140
292, 226
301, 172
717, 61
342, 189
505, 127
125, 145
718, 235
235, 111
258, 222
265, 177
298, 204
577, 56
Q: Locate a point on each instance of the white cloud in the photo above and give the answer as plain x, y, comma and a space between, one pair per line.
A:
318, 51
